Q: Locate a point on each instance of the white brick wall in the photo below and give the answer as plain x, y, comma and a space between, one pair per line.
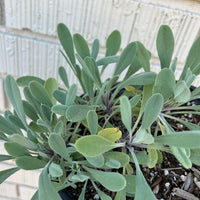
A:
29, 46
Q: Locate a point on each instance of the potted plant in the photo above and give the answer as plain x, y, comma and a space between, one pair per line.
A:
99, 143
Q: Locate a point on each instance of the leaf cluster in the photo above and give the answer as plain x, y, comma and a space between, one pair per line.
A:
73, 138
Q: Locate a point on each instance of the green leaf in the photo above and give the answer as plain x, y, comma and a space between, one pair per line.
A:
110, 180
71, 95
30, 111
6, 173
131, 183
55, 170
121, 157
82, 195
87, 145
113, 43
29, 97
39, 93
7, 127
174, 64
59, 109
126, 58
144, 78
50, 86
180, 154
60, 96
46, 189
185, 139
195, 156
143, 57
35, 196
152, 153
182, 93
79, 177
29, 162
5, 157
65, 38
121, 195
152, 109
125, 108
23, 141
25, 80
92, 121
111, 163
95, 49
97, 161
164, 83
90, 67
143, 191
81, 45
142, 136
165, 45
77, 113
13, 94
15, 149
108, 60
59, 127
14, 119
193, 58
57, 144
63, 75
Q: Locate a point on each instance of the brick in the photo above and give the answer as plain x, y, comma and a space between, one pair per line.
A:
136, 20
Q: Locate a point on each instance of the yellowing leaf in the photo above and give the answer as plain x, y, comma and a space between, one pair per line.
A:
162, 128
130, 89
153, 154
112, 134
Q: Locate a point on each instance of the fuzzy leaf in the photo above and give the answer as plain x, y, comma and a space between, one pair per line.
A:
57, 144
50, 86
195, 156
15, 149
7, 127
65, 38
131, 183
113, 43
121, 157
126, 58
81, 45
182, 93
6, 173
112, 134
60, 96
29, 162
23, 141
152, 109
71, 95
13, 94
63, 75
5, 157
25, 80
181, 156
95, 49
59, 109
165, 45
55, 170
87, 145
30, 111
39, 92
77, 113
185, 139
92, 121
143, 57
125, 108
165, 83
152, 153
46, 189
107, 60
193, 58
144, 78
110, 180
97, 161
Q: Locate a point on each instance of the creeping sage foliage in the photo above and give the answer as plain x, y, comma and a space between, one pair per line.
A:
79, 138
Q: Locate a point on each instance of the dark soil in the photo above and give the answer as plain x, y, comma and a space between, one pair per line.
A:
168, 181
